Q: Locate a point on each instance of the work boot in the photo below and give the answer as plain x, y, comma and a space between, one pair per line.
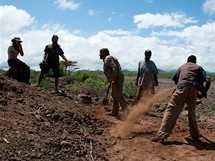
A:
111, 114
193, 137
157, 139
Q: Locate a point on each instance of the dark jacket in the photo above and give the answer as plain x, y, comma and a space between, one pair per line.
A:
190, 74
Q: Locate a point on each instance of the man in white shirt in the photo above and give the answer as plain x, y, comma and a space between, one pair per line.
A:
146, 76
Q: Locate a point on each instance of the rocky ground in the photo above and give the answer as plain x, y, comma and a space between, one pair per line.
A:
37, 124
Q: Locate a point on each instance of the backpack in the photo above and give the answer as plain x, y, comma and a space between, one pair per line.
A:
44, 67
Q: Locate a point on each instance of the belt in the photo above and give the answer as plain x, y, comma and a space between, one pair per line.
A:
181, 86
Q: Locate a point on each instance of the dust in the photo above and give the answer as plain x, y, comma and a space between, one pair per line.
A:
125, 129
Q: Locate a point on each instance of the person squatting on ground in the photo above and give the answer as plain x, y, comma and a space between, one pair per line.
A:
51, 57
115, 77
13, 51
146, 76
190, 79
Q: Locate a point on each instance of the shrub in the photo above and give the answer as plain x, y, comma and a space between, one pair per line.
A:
130, 90
86, 81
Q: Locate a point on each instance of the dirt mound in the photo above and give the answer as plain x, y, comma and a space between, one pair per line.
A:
37, 124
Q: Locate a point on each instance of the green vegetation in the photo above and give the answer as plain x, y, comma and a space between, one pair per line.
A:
161, 74
34, 76
212, 76
94, 81
165, 75
130, 73
171, 74
86, 81
130, 90
2, 71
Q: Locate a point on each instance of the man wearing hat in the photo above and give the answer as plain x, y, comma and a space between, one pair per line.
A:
13, 51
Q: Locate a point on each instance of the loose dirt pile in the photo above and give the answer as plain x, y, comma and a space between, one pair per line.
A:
37, 124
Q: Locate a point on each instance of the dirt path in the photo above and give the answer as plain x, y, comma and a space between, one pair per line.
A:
138, 146
130, 137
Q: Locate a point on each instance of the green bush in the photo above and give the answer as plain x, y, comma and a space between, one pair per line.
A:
130, 73
94, 81
83, 81
212, 76
130, 90
33, 76
46, 84
165, 75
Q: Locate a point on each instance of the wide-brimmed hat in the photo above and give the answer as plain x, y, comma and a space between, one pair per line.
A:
16, 39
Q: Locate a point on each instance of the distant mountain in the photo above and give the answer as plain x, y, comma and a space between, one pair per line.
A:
168, 71
126, 70
159, 70
2, 70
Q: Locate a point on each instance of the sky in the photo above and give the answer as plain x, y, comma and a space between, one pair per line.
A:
171, 29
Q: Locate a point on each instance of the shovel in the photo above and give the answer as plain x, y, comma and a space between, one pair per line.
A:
105, 100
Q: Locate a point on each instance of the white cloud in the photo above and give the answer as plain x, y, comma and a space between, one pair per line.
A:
209, 7
92, 12
109, 19
200, 36
162, 20
13, 19
76, 32
66, 4
199, 40
126, 46
116, 33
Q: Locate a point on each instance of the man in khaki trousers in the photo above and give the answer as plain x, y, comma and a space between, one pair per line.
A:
189, 79
115, 77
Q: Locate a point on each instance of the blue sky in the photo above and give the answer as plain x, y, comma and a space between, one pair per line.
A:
172, 30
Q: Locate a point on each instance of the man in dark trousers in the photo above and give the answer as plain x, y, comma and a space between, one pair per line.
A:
190, 79
51, 57
13, 51
115, 77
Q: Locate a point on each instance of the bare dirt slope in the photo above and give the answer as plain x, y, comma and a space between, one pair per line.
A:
131, 137
36, 124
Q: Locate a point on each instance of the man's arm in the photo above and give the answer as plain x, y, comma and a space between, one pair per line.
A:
155, 71
138, 74
207, 82
156, 80
67, 61
175, 79
204, 84
21, 50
